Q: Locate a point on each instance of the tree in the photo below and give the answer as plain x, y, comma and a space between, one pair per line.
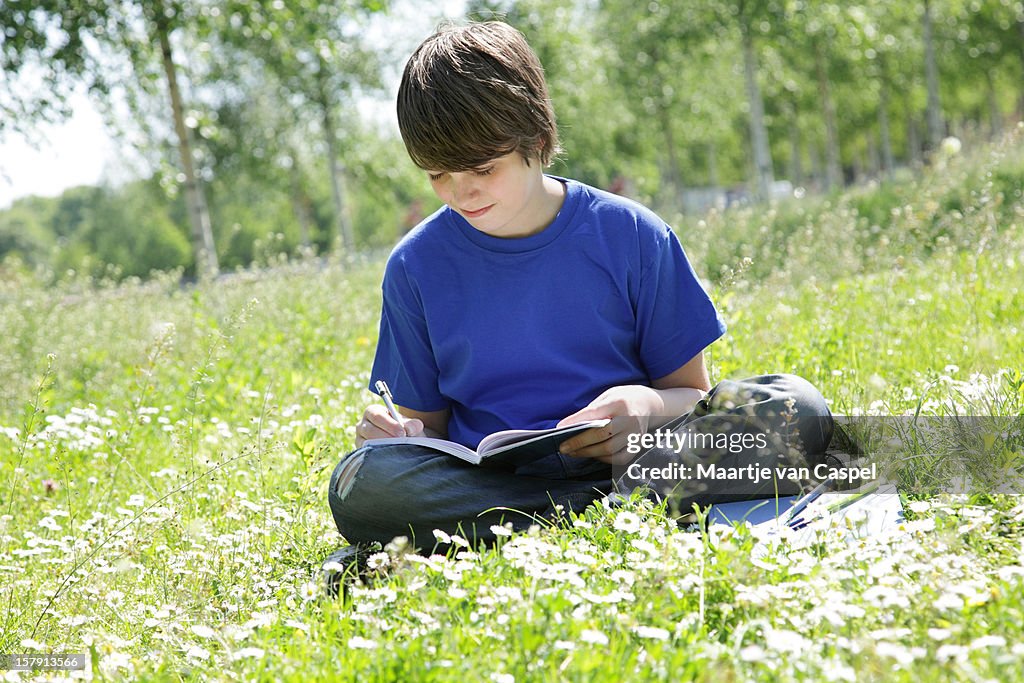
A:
992, 47
751, 20
46, 38
59, 32
315, 54
931, 71
160, 17
663, 56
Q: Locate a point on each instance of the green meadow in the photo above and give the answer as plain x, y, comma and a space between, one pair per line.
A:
165, 455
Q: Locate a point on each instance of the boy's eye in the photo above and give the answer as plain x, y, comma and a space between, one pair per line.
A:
434, 177
484, 171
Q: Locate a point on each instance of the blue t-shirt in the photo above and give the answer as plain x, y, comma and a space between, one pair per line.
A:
519, 333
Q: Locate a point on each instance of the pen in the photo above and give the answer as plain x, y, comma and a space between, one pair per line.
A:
799, 506
845, 502
382, 388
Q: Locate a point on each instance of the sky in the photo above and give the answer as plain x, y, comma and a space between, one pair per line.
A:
74, 153
81, 152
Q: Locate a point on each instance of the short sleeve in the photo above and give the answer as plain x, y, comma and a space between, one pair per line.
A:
676, 319
404, 357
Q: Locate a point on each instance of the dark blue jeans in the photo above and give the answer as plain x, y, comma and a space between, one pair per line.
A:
379, 492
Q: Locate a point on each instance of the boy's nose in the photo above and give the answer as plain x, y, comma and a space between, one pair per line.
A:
463, 187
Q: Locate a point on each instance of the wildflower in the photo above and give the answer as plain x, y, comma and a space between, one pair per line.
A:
378, 562
627, 522
753, 653
786, 641
203, 631
296, 624
358, 643
948, 652
459, 541
651, 632
950, 146
837, 671
593, 637
309, 591
988, 641
249, 652
948, 601
500, 530
903, 655
442, 537
196, 652
50, 486
397, 545
503, 678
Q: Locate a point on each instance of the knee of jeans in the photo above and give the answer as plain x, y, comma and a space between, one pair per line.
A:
344, 473
364, 490
340, 485
808, 400
811, 410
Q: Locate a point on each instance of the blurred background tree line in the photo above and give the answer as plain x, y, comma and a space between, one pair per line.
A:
252, 113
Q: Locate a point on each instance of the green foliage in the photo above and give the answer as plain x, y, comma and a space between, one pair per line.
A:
650, 97
24, 235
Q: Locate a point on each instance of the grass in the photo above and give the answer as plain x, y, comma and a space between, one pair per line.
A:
165, 454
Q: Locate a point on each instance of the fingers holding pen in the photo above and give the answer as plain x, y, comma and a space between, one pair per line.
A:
378, 423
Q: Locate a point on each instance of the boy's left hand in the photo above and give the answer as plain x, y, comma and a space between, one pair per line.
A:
629, 408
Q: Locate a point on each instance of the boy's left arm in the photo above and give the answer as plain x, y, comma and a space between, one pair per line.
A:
636, 409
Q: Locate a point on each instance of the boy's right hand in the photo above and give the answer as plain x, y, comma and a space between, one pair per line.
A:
377, 423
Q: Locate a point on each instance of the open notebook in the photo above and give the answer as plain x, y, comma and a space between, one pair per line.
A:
517, 446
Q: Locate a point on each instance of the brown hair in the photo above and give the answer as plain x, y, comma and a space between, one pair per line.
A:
472, 93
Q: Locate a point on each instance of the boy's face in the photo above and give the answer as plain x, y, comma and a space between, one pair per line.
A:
505, 197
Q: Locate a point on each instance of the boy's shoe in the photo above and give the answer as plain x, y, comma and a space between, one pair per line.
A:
345, 565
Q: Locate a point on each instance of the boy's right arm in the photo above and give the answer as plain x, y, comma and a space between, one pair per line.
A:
377, 423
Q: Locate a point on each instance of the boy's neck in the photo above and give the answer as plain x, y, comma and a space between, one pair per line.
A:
547, 202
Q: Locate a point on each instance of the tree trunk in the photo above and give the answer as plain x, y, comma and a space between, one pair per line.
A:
796, 172
883, 127
674, 173
199, 216
913, 141
995, 116
817, 173
713, 179
300, 204
931, 72
336, 171
1020, 49
765, 175
833, 172
872, 164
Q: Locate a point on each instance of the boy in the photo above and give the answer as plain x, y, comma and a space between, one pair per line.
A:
526, 301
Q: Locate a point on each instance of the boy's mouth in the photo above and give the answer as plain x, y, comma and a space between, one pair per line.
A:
477, 213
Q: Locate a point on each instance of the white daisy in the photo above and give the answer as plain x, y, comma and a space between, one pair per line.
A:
358, 643
593, 637
628, 522
378, 562
309, 591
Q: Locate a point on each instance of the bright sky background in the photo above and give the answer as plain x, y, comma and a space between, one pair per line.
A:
80, 152
75, 153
